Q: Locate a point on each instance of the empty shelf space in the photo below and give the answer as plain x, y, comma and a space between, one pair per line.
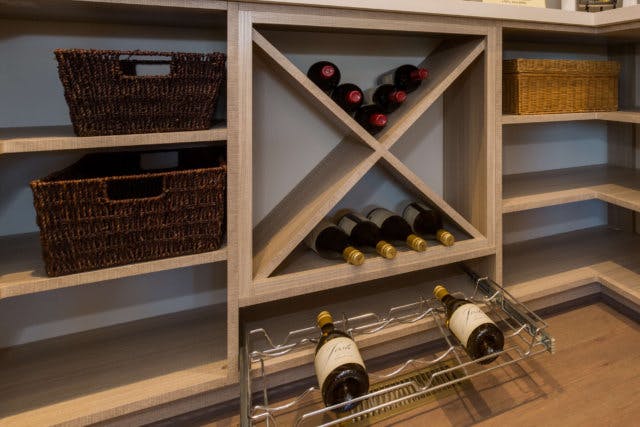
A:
58, 138
305, 272
22, 269
561, 262
612, 116
92, 376
612, 184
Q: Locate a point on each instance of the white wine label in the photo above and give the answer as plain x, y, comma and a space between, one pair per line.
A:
310, 240
379, 215
410, 213
465, 320
347, 224
334, 353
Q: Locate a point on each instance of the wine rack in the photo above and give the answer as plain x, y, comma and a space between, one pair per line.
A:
525, 333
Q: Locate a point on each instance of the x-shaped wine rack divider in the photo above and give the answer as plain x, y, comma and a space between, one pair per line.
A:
282, 230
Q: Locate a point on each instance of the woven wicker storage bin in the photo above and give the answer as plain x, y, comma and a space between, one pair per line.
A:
541, 86
105, 210
106, 97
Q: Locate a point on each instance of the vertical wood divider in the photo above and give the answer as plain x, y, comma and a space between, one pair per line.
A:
239, 187
621, 136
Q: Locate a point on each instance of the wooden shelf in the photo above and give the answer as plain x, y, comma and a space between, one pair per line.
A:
305, 272
552, 264
59, 138
93, 376
612, 116
189, 13
612, 184
22, 269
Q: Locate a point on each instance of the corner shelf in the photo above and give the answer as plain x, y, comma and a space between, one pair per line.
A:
22, 268
62, 138
616, 185
110, 372
578, 258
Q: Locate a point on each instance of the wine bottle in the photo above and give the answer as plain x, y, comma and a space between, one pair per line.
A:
477, 333
339, 367
364, 233
348, 96
406, 77
395, 228
329, 241
371, 117
325, 75
427, 222
387, 97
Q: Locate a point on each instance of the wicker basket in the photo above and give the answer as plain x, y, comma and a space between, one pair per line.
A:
540, 86
105, 210
106, 97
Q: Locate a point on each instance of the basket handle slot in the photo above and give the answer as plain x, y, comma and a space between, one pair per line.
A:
135, 188
145, 66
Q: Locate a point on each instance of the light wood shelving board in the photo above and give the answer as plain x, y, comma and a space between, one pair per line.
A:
616, 185
93, 376
187, 13
612, 116
308, 273
62, 138
22, 269
600, 254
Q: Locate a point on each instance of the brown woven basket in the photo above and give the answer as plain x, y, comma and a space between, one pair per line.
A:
541, 86
106, 97
105, 210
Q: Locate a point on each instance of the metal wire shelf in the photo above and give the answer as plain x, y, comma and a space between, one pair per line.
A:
525, 336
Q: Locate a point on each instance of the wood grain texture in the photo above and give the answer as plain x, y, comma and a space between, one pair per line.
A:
312, 273
294, 217
22, 269
97, 375
600, 254
61, 138
617, 185
469, 149
613, 116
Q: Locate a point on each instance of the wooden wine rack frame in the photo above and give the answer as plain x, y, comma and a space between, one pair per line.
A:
465, 70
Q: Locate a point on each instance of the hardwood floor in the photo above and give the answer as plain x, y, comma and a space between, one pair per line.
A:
593, 379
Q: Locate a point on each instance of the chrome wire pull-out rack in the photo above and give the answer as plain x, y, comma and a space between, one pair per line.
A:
525, 336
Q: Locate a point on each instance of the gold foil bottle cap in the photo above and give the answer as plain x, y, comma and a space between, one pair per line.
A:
386, 250
353, 256
417, 243
324, 318
440, 292
445, 237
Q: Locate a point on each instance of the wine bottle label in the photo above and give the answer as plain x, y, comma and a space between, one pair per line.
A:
334, 353
410, 214
378, 216
347, 224
310, 240
465, 320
